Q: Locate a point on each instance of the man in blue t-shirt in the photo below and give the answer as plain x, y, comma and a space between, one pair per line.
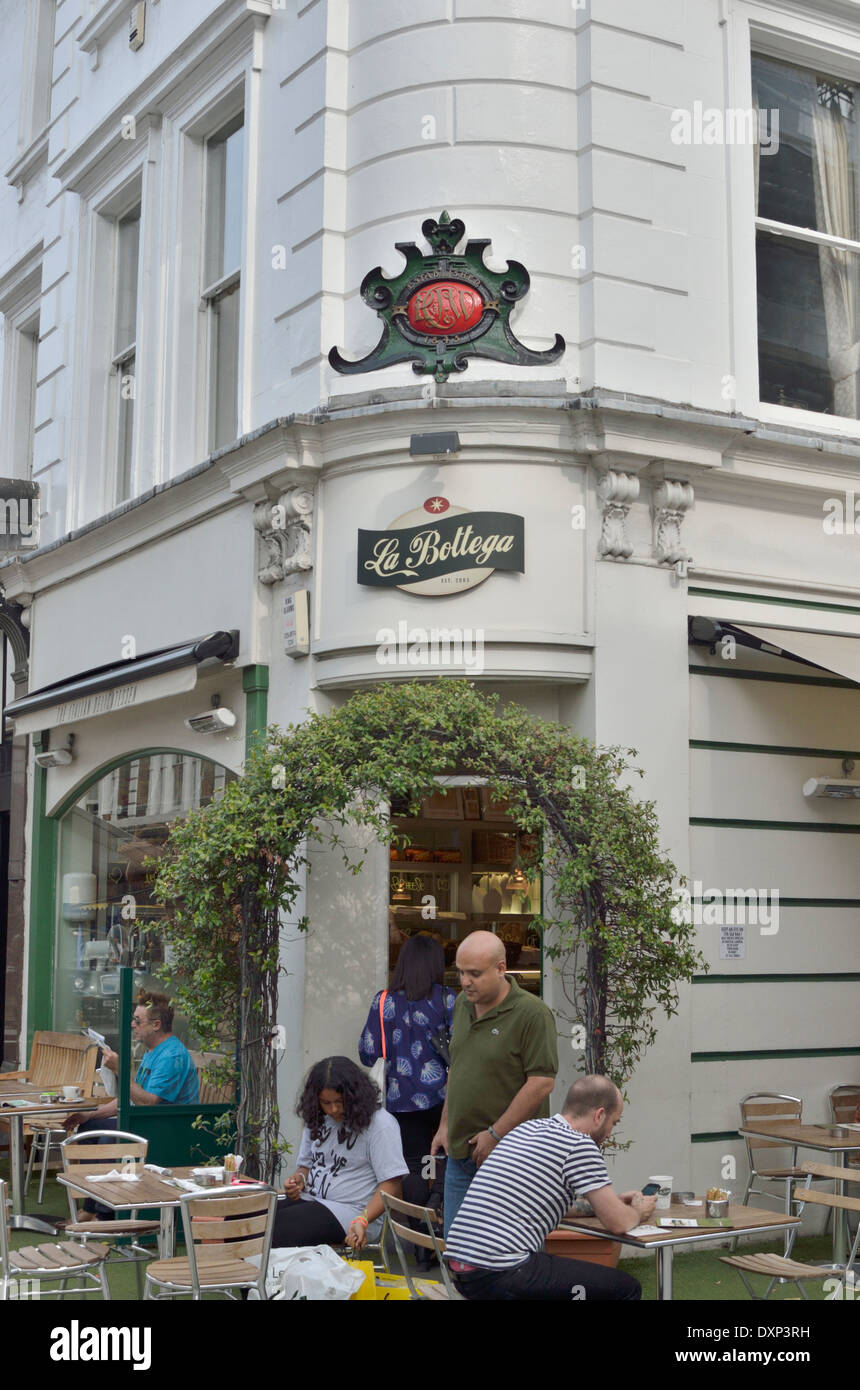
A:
165, 1076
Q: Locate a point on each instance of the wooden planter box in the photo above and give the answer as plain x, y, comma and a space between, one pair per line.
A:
593, 1249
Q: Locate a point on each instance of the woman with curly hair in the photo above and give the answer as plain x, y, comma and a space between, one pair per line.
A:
350, 1153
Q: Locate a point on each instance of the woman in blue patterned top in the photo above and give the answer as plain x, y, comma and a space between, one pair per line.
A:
416, 1006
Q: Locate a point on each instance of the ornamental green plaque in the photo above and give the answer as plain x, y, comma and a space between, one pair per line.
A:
444, 308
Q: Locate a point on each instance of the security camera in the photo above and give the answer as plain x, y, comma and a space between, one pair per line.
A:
214, 721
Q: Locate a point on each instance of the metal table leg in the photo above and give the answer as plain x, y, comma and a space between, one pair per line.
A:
167, 1233
839, 1247
18, 1221
664, 1273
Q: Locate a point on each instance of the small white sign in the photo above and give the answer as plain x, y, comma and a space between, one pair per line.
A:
296, 633
732, 941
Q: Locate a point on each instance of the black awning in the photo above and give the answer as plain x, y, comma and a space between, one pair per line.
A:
216, 647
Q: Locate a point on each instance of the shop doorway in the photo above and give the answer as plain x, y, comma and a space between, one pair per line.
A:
458, 869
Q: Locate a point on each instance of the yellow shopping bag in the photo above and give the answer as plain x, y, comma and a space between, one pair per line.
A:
368, 1288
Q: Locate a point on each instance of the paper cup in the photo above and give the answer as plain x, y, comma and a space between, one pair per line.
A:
73, 1093
664, 1190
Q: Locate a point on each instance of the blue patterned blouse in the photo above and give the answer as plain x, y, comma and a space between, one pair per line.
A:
417, 1075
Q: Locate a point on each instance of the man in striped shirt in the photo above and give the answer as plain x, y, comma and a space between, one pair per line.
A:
521, 1192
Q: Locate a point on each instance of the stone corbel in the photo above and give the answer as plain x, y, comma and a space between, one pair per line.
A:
285, 530
616, 493
670, 502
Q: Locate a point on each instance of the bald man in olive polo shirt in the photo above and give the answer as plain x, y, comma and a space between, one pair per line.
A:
504, 1059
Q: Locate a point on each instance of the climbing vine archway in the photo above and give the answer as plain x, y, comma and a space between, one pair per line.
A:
234, 870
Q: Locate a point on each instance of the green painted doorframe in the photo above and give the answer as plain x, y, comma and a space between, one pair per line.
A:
43, 898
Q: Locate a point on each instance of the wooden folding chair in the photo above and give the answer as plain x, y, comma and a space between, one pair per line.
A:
419, 1289
222, 1229
776, 1267
84, 1157
48, 1263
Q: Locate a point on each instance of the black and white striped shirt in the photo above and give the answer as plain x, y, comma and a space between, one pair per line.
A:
520, 1193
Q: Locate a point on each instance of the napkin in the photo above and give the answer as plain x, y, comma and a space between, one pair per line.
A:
645, 1231
155, 1168
115, 1176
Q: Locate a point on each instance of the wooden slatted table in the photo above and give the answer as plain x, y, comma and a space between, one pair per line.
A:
18, 1116
149, 1191
826, 1138
745, 1221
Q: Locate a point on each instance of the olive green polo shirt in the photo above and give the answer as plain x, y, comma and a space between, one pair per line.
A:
492, 1057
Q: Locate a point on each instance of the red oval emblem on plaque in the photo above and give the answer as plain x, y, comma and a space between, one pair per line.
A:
446, 306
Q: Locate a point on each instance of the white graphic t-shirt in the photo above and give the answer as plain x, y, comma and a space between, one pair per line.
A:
345, 1176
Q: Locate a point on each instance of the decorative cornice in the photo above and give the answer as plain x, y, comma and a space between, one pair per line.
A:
616, 493
670, 501
285, 531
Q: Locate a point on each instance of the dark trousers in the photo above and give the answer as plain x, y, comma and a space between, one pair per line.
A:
417, 1128
549, 1278
305, 1223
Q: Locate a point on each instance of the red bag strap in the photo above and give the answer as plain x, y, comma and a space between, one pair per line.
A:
383, 996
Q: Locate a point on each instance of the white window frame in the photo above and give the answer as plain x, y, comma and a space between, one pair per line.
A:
121, 356
20, 298
808, 42
217, 290
193, 124
37, 67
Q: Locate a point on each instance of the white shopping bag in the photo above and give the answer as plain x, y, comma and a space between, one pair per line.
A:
308, 1271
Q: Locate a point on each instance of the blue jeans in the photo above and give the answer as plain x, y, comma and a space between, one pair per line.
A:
459, 1172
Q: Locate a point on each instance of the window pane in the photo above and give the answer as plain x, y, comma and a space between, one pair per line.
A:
105, 841
224, 204
808, 176
125, 429
799, 312
224, 374
128, 247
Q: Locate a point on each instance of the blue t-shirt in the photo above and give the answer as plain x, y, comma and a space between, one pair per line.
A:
168, 1072
416, 1075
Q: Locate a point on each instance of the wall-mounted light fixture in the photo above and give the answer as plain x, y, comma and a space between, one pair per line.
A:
844, 788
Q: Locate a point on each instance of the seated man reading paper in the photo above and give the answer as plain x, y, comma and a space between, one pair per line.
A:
166, 1074
521, 1192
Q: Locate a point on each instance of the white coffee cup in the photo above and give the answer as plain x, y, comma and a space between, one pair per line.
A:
73, 1093
664, 1190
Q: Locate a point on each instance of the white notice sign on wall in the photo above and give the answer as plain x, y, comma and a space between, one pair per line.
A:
732, 945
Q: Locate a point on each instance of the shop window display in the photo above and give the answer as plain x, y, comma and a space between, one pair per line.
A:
105, 911
459, 868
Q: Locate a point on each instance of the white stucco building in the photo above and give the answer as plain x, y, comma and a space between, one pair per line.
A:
184, 230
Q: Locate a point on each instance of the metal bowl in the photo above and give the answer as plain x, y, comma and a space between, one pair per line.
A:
713, 1208
210, 1177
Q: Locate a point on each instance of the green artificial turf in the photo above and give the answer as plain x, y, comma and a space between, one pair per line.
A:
696, 1276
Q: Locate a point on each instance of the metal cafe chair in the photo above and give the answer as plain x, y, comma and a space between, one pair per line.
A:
771, 1106
85, 1157
419, 1289
844, 1101
374, 1248
50, 1262
222, 1228
43, 1139
779, 1268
